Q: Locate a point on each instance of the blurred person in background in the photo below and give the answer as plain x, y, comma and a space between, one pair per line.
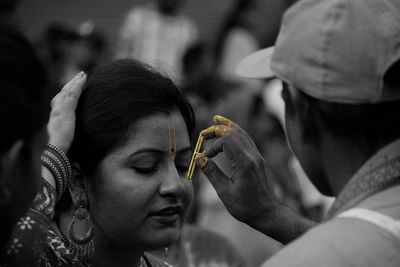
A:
53, 47
7, 8
157, 34
236, 40
269, 136
24, 113
67, 51
85, 52
201, 83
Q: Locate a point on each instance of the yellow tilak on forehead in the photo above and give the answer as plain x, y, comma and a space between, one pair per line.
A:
172, 140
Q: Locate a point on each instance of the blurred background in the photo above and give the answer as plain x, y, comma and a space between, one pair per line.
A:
198, 43
35, 15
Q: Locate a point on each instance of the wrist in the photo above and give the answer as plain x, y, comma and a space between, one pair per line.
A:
57, 164
281, 223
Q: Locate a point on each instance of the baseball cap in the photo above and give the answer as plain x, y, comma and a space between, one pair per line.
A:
334, 50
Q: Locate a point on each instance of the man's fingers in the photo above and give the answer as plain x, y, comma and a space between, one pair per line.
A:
214, 149
215, 131
216, 176
224, 121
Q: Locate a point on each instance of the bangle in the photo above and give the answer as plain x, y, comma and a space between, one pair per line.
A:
52, 167
59, 164
56, 161
58, 151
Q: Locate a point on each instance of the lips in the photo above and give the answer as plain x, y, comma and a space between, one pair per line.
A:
167, 215
168, 211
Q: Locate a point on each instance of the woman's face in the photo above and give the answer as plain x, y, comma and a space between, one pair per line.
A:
141, 194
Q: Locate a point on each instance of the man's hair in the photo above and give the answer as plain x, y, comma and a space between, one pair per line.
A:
370, 123
24, 102
367, 124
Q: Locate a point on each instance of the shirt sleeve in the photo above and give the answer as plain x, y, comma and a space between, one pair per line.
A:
27, 246
340, 242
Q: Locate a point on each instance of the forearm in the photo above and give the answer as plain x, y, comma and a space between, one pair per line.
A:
280, 223
46, 174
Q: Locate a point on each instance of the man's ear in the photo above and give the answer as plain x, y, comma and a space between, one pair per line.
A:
9, 163
78, 186
308, 118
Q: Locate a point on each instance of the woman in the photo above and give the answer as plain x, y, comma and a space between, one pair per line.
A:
128, 193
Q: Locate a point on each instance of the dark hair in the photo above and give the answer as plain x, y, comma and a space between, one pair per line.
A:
24, 102
365, 125
115, 97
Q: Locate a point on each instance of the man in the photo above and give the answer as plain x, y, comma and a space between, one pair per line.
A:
339, 61
23, 114
157, 34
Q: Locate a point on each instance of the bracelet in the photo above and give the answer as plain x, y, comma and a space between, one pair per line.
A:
56, 161
52, 167
58, 151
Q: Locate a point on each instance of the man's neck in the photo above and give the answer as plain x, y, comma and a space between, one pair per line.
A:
341, 161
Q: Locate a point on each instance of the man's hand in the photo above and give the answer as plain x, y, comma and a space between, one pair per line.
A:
247, 194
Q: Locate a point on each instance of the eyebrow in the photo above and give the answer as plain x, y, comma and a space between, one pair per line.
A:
160, 152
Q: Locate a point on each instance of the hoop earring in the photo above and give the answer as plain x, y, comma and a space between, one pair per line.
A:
81, 244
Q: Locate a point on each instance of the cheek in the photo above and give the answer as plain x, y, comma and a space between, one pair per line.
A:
120, 203
189, 192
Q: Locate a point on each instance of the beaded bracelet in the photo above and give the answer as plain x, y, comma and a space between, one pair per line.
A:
58, 151
55, 160
52, 167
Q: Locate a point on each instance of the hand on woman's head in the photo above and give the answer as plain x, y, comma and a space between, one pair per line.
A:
61, 125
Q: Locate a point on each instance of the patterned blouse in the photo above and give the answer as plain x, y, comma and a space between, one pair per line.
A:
34, 241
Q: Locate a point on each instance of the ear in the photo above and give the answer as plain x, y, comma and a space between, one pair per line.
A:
78, 186
8, 166
308, 117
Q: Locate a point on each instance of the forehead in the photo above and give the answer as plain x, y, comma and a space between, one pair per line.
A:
154, 131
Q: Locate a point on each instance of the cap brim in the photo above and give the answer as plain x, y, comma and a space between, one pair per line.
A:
257, 65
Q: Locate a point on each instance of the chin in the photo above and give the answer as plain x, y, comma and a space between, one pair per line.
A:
163, 238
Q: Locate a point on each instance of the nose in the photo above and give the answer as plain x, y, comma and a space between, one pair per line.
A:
172, 184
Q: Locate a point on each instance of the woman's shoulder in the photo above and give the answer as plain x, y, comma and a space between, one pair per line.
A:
153, 261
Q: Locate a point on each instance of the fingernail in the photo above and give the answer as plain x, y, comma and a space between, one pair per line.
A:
216, 118
201, 160
81, 75
208, 130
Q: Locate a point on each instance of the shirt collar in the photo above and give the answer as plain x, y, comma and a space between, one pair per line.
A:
378, 173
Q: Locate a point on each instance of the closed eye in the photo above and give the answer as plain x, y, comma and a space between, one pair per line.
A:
146, 170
